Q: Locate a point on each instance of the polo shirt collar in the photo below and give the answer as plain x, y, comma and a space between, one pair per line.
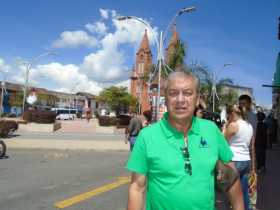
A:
170, 131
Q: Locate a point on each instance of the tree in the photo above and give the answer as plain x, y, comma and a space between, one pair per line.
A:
230, 98
177, 55
117, 98
175, 59
206, 79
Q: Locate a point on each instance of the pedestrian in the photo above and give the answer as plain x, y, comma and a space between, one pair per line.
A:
173, 160
133, 129
239, 133
148, 117
245, 101
261, 142
271, 123
88, 115
198, 112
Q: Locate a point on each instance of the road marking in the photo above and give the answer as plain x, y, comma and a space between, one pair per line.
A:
84, 196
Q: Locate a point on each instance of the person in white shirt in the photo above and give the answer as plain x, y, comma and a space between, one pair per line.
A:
239, 132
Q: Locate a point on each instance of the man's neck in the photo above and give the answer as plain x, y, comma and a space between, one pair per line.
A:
182, 125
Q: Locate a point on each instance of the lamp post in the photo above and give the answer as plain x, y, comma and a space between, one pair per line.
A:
73, 101
214, 85
28, 66
3, 89
159, 45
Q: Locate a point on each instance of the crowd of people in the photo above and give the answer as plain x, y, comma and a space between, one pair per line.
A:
172, 161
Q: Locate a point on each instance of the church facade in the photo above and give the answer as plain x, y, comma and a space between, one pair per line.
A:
140, 74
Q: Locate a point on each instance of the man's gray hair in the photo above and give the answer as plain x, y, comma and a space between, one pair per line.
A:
180, 74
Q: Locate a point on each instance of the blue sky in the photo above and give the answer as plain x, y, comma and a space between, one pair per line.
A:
95, 51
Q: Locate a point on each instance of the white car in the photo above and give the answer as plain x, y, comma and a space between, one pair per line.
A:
65, 117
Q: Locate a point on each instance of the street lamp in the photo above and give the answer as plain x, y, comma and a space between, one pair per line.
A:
214, 93
70, 99
160, 50
28, 65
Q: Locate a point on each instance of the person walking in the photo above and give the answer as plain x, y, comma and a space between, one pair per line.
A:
261, 142
133, 129
173, 161
239, 134
245, 102
88, 114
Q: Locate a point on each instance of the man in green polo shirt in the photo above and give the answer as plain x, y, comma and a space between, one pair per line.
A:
173, 160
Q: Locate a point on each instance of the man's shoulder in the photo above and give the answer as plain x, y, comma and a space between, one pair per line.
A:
151, 129
135, 120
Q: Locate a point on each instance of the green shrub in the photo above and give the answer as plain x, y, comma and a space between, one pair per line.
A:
39, 116
107, 121
123, 121
79, 115
7, 126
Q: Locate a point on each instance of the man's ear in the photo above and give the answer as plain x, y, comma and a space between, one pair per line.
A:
198, 100
165, 99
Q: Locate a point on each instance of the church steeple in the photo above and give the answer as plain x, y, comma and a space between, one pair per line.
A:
145, 43
170, 50
139, 87
175, 37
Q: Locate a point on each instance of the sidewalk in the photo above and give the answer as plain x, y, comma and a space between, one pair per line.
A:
269, 183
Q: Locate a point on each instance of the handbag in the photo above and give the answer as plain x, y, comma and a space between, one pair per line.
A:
225, 176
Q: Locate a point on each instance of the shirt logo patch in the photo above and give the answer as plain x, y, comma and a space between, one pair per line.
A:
203, 143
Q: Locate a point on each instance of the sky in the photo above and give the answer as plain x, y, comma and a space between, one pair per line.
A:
92, 49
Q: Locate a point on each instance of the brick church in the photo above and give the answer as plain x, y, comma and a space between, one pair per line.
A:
140, 74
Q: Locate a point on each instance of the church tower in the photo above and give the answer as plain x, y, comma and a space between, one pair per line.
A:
171, 49
140, 75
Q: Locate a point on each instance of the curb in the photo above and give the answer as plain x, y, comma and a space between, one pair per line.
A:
68, 145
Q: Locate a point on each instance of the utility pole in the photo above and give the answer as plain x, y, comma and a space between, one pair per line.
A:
2, 97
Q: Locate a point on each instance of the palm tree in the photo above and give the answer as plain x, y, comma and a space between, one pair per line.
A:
176, 60
207, 83
177, 55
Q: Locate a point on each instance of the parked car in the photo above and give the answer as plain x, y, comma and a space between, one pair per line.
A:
65, 117
65, 113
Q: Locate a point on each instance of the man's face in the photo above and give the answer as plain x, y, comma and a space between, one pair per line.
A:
246, 104
181, 98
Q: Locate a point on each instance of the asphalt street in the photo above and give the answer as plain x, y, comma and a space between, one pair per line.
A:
46, 179
39, 179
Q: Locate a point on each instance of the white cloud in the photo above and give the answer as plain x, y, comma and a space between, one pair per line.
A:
108, 64
74, 39
67, 77
98, 27
4, 67
131, 31
113, 13
125, 83
104, 13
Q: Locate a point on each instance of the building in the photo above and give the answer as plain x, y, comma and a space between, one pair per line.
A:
141, 72
140, 75
45, 99
239, 90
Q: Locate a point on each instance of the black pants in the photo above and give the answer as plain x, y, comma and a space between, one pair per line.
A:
261, 156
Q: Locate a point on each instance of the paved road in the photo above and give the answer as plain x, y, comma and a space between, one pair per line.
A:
39, 179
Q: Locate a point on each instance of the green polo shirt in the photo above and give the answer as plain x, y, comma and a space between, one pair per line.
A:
157, 154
